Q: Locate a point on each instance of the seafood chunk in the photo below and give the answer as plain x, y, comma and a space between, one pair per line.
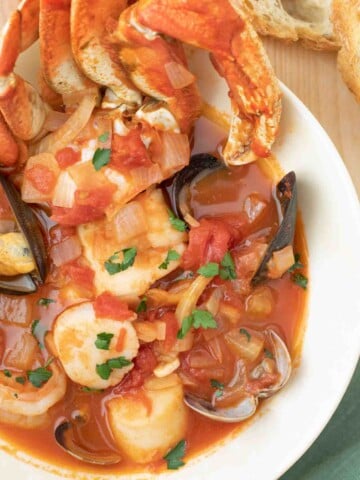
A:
153, 239
140, 424
77, 333
17, 399
237, 55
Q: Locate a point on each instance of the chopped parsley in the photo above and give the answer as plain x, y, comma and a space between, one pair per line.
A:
209, 270
142, 307
113, 267
300, 280
103, 340
243, 331
171, 256
39, 376
174, 458
45, 302
227, 271
104, 369
104, 137
101, 158
297, 277
218, 386
7, 373
198, 319
176, 222
34, 325
20, 380
297, 265
268, 354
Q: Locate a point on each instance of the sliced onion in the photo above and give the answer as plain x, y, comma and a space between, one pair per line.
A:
144, 177
212, 304
55, 120
175, 152
66, 251
16, 310
158, 297
188, 302
280, 262
64, 193
200, 358
246, 343
130, 222
178, 75
24, 354
260, 303
71, 128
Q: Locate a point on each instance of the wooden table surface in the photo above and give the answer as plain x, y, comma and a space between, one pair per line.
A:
313, 77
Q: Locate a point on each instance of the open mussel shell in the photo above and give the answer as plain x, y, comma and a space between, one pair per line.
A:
201, 163
286, 192
243, 410
65, 439
30, 228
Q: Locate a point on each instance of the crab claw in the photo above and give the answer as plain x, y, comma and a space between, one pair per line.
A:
20, 105
146, 57
237, 55
59, 67
9, 148
91, 25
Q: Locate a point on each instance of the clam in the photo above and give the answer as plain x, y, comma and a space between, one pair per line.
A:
248, 404
64, 437
31, 231
286, 193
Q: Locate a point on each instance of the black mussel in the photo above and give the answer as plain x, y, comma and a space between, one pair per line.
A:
30, 228
199, 163
65, 439
286, 193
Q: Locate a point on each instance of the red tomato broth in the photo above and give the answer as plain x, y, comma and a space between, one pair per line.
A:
226, 191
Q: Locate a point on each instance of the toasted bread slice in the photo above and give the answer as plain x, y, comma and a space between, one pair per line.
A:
346, 20
292, 20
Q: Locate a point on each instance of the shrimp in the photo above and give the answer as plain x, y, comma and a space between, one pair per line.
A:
18, 399
90, 348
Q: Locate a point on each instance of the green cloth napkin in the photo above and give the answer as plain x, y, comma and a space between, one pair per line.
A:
335, 455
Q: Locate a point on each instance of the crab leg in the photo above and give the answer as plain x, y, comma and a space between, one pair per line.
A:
20, 105
9, 148
237, 55
59, 68
145, 56
91, 22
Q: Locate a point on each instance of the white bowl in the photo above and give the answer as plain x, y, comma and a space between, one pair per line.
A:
291, 420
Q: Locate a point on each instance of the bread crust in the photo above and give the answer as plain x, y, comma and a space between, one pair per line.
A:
346, 20
271, 18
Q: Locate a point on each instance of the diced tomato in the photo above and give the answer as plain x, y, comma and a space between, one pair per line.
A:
128, 151
41, 177
172, 328
81, 275
207, 243
120, 344
109, 306
67, 156
144, 364
88, 206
